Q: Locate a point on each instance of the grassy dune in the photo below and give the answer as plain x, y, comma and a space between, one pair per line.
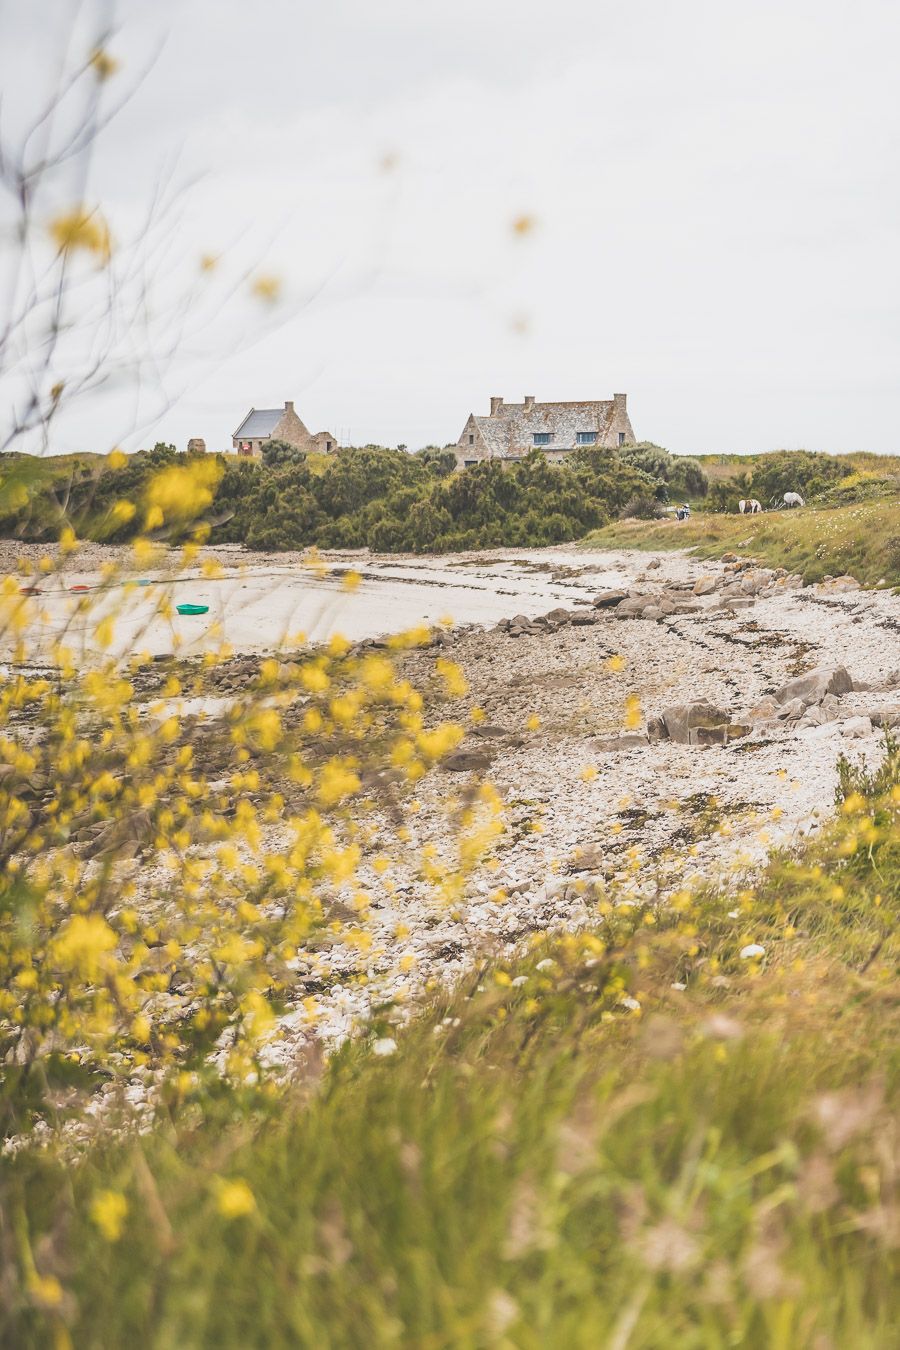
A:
863, 539
712, 1161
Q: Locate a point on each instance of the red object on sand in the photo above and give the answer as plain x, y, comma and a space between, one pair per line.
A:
79, 588
29, 590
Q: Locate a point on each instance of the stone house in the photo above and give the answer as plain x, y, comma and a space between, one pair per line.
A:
278, 424
513, 429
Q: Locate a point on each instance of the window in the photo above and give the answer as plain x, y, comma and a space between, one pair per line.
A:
621, 437
542, 438
467, 463
328, 445
585, 438
471, 440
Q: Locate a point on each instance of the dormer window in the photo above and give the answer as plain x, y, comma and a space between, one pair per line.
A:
542, 438
586, 438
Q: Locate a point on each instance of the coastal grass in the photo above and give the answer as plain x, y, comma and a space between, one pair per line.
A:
862, 539
643, 1135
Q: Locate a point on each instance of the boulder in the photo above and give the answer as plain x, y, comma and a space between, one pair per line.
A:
856, 726
791, 711
652, 612
764, 711
606, 599
705, 585
632, 608
558, 617
886, 717
693, 723
583, 620
465, 761
835, 585
815, 685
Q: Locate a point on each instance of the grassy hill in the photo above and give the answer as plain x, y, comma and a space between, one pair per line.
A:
863, 539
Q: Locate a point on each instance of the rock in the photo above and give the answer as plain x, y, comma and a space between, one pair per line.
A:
489, 731
835, 585
693, 723
704, 585
736, 602
814, 717
814, 686
764, 711
656, 729
558, 617
583, 620
589, 859
729, 557
465, 761
606, 599
611, 745
856, 726
655, 562
886, 717
792, 711
632, 608
652, 612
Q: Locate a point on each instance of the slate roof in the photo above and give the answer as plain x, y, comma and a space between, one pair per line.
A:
511, 430
259, 422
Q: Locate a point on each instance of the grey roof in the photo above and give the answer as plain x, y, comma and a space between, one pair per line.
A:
259, 422
513, 427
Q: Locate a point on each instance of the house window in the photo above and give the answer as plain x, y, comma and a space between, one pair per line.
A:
586, 437
467, 463
621, 437
471, 440
542, 438
328, 445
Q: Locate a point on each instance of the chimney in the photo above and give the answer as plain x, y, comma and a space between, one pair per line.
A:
289, 407
529, 402
496, 405
619, 401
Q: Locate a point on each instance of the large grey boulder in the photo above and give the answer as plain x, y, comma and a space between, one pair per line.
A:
705, 585
466, 761
697, 723
632, 608
813, 687
606, 599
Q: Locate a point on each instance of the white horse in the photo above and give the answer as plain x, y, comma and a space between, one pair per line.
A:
749, 506
793, 499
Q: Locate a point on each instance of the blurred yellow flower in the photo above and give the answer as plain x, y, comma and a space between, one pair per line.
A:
82, 230
104, 65
108, 1211
234, 1199
266, 288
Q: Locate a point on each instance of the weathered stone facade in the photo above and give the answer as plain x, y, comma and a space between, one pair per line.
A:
196, 446
278, 424
513, 429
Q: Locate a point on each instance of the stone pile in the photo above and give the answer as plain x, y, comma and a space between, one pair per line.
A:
736, 586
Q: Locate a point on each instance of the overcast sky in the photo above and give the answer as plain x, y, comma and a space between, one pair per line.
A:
713, 186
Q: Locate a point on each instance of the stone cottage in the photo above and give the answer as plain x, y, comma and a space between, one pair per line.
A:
278, 424
512, 429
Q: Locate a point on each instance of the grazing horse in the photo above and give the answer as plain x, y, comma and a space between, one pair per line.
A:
793, 499
749, 506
